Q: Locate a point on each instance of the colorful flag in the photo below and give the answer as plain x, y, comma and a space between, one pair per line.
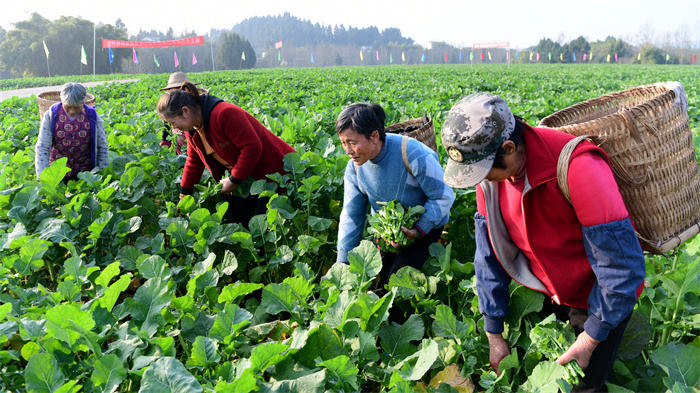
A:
278, 44
445, 57
177, 63
590, 57
136, 58
693, 58
460, 56
111, 56
561, 57
639, 56
517, 56
508, 55
46, 49
608, 57
156, 61
584, 56
391, 58
312, 59
471, 55
83, 56
667, 57
489, 55
194, 59
538, 56
615, 56
574, 55
549, 55
531, 53
361, 57
482, 56
377, 55
403, 56
279, 56
242, 55
422, 59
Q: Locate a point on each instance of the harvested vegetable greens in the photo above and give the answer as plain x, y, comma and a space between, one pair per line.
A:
386, 225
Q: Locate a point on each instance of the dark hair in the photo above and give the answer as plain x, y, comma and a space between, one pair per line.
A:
498, 161
363, 118
171, 103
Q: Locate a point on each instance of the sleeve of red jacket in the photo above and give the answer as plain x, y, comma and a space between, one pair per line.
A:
237, 126
194, 168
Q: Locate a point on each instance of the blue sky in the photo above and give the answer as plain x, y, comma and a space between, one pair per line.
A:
458, 22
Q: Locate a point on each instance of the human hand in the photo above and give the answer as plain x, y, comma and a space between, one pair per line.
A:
410, 235
581, 351
228, 187
498, 349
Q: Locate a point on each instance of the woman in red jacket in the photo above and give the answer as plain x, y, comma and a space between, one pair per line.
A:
223, 137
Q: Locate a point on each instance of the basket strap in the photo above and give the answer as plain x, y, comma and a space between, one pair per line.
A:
563, 165
404, 143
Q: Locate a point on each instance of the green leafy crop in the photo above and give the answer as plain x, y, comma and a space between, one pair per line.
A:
386, 225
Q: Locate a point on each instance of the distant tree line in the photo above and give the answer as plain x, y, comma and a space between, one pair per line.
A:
22, 51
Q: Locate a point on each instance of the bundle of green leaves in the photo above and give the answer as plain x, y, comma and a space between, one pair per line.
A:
552, 338
386, 225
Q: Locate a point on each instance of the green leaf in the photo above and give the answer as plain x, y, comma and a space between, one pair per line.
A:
415, 366
366, 261
343, 370
148, 302
409, 282
446, 325
246, 383
301, 287
108, 373
396, 339
523, 301
31, 254
229, 321
154, 267
636, 337
99, 225
168, 375
547, 377
4, 310
231, 292
365, 347
229, 264
679, 361
180, 234
111, 294
199, 217
128, 226
371, 311
60, 319
333, 315
277, 298
204, 353
109, 272
312, 383
266, 355
52, 176
30, 349
339, 276
322, 342
319, 224
42, 374
76, 269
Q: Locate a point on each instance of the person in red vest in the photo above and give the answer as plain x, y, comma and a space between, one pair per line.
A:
584, 255
223, 136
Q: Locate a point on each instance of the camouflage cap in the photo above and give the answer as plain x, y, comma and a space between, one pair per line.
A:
472, 133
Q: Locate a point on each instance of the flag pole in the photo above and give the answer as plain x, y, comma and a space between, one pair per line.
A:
47, 67
94, 40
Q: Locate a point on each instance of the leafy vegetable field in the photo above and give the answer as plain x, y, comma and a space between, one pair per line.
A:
112, 283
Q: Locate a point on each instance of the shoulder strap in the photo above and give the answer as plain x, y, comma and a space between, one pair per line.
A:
563, 165
404, 143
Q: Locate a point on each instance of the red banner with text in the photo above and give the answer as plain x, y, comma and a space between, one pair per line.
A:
492, 45
199, 40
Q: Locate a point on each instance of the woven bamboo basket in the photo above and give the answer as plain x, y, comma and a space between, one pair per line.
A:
48, 98
645, 132
425, 133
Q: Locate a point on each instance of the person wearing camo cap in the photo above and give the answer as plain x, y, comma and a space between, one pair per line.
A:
584, 255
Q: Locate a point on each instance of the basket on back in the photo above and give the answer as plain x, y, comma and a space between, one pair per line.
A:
645, 132
48, 98
420, 128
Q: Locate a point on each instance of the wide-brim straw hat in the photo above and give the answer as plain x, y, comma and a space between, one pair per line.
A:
176, 80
